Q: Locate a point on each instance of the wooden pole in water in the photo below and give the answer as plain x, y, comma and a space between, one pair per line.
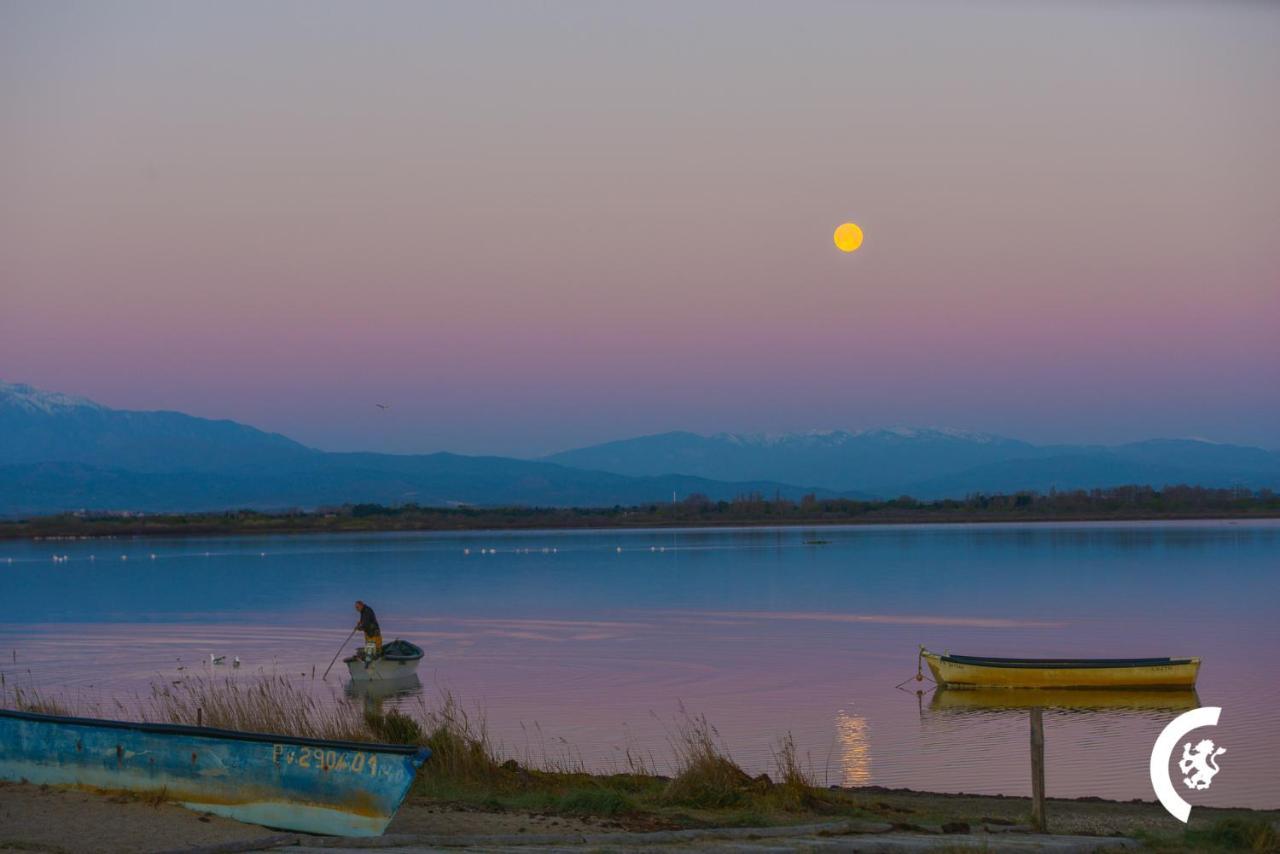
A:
1037, 770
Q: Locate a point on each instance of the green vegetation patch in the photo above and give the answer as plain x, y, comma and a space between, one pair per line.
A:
1235, 834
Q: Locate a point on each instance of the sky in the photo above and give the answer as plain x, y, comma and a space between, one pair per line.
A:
532, 226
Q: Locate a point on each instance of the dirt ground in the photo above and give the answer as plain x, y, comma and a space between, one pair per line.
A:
36, 818
1092, 816
56, 820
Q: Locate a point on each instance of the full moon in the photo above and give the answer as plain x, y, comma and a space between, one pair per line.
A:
848, 237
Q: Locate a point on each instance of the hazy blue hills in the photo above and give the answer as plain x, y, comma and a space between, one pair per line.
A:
876, 461
930, 463
335, 479
59, 452
65, 453
39, 426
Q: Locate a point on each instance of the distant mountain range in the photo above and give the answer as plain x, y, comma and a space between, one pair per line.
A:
930, 463
59, 452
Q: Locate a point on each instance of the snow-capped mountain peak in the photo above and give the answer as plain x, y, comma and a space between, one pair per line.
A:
936, 433
28, 398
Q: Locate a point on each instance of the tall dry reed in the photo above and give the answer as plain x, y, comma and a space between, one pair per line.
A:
706, 777
264, 703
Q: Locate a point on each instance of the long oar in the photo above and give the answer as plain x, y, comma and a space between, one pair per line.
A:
338, 653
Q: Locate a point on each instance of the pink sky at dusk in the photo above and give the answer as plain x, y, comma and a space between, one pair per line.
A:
531, 226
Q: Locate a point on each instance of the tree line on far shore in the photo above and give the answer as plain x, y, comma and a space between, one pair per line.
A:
1114, 503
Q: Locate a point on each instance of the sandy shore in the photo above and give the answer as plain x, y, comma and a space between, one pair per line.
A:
59, 820
45, 819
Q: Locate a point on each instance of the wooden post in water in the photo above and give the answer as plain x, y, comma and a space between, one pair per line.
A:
1037, 770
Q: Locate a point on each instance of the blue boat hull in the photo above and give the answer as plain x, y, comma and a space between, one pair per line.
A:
331, 787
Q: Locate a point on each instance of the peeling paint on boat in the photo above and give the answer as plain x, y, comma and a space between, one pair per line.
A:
313, 785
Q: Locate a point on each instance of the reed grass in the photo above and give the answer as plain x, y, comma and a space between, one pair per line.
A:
30, 700
465, 765
263, 703
706, 776
795, 788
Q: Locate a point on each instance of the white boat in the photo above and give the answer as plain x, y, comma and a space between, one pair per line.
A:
398, 661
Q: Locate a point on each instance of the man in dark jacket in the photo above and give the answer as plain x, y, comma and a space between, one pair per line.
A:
369, 625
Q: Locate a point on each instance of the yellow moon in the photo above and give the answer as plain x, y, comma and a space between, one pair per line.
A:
848, 237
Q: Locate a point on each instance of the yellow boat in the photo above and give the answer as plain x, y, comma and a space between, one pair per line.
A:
965, 671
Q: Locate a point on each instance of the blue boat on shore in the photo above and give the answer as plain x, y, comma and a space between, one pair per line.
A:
342, 788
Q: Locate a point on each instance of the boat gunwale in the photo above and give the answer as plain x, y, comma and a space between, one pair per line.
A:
212, 732
1066, 663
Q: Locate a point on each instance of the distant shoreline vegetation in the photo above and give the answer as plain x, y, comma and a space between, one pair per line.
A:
1122, 503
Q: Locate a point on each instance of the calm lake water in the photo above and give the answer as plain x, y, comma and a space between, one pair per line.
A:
583, 645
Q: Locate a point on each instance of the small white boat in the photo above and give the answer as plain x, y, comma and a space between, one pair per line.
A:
399, 660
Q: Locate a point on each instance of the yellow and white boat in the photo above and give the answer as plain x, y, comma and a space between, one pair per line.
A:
966, 671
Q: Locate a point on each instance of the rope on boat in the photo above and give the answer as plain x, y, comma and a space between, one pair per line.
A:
919, 677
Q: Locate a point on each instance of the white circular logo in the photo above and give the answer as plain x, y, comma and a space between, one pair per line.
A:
1198, 763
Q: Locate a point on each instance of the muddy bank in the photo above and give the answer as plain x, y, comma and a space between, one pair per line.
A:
57, 820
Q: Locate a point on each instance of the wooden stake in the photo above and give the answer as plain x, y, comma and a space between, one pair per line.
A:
1037, 770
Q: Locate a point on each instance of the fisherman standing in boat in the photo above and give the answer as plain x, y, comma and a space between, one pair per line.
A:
372, 632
